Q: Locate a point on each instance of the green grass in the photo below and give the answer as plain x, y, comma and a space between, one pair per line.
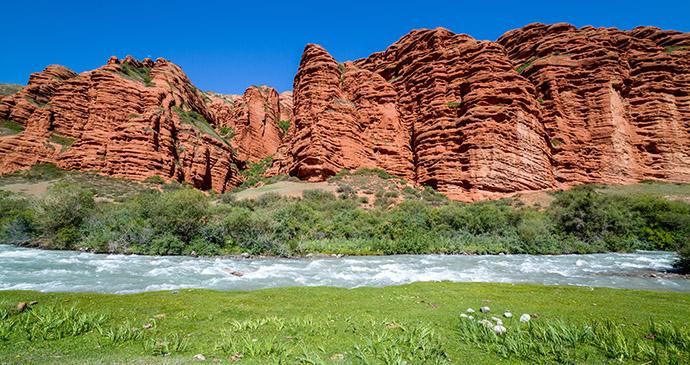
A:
648, 187
140, 74
106, 187
9, 89
284, 125
417, 323
672, 49
65, 142
198, 122
10, 128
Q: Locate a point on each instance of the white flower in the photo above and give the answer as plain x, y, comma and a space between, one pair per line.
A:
463, 315
470, 310
524, 318
507, 314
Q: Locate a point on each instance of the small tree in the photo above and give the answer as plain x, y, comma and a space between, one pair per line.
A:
63, 210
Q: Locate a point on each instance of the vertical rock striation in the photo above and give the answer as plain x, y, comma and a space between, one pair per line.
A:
616, 104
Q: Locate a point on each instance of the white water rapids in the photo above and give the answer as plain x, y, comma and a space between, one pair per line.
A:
55, 271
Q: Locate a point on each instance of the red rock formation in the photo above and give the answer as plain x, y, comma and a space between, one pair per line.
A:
546, 106
437, 108
475, 126
616, 104
131, 119
344, 118
253, 120
38, 91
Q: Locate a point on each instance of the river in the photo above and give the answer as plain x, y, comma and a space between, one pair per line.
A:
58, 271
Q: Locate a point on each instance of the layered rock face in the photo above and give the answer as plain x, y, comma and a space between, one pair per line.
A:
616, 104
131, 119
436, 108
254, 120
545, 106
344, 118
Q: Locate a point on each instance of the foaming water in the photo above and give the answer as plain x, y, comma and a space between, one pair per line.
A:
33, 269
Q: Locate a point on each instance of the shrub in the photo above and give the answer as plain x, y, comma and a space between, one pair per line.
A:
227, 198
154, 180
589, 215
317, 195
181, 212
43, 171
63, 210
165, 244
365, 171
202, 247
391, 194
17, 219
284, 125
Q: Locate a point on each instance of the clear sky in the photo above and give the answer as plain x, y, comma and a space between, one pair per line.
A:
226, 46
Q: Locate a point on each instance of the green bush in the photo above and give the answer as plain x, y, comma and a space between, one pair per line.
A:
154, 180
590, 215
318, 195
63, 209
17, 219
181, 212
165, 244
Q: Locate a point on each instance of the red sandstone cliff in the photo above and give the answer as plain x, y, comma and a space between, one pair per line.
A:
132, 119
253, 120
616, 104
545, 106
436, 108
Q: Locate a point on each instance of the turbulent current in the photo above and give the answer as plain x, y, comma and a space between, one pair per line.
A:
33, 269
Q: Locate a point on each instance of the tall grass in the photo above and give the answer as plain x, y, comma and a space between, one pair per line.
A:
560, 341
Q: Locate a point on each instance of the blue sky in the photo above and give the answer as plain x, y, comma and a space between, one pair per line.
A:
227, 46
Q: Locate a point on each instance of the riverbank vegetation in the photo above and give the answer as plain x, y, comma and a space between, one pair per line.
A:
175, 219
416, 323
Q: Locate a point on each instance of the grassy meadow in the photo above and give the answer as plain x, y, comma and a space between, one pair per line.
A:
415, 323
